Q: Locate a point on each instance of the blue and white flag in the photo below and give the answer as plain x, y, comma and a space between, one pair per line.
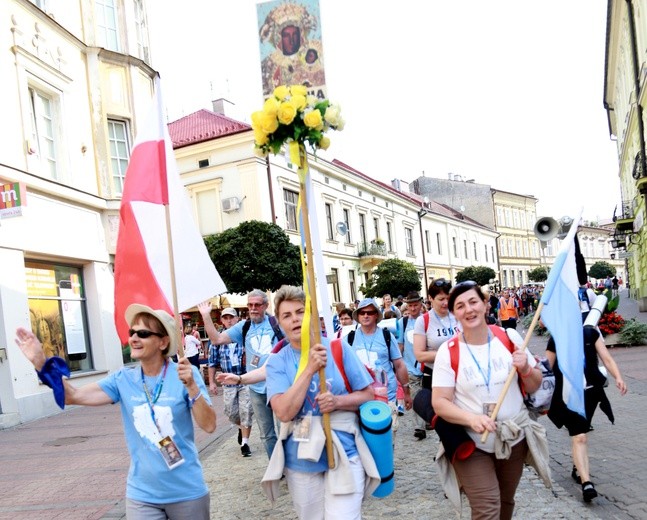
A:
563, 318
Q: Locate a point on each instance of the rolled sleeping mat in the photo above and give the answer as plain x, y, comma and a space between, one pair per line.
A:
596, 311
375, 423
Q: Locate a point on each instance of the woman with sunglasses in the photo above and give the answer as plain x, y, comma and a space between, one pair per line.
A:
466, 386
159, 400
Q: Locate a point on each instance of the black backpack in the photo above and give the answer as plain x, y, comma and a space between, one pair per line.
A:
278, 334
387, 339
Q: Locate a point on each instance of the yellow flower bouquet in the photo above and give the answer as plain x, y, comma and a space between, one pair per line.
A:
291, 115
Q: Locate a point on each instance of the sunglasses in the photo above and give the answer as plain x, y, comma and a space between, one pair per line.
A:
367, 313
143, 333
441, 282
466, 283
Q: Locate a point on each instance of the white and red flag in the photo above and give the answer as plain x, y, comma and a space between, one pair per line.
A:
143, 258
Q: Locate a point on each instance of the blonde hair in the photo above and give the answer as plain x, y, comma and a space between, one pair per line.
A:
288, 293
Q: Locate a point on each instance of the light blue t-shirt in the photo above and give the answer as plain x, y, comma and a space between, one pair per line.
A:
281, 371
149, 479
406, 338
258, 345
371, 350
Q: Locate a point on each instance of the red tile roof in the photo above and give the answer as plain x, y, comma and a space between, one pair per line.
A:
201, 126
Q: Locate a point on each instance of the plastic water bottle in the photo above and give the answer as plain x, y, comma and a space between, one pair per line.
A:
379, 386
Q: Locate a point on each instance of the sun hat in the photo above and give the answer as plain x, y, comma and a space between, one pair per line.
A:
167, 321
368, 302
412, 297
229, 311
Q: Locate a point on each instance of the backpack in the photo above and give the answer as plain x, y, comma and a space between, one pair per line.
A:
387, 339
537, 402
278, 334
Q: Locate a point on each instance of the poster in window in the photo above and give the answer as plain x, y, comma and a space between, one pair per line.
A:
72, 318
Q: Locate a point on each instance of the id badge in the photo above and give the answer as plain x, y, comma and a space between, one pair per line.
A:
234, 359
170, 452
255, 361
302, 428
488, 408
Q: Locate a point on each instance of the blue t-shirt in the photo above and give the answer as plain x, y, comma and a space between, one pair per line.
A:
371, 350
258, 345
406, 337
281, 372
149, 479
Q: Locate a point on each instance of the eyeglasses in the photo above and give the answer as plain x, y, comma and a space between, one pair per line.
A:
143, 333
254, 305
366, 313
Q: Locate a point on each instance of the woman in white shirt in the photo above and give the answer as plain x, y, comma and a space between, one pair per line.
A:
192, 347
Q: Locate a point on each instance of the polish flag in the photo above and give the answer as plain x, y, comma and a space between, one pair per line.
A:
143, 261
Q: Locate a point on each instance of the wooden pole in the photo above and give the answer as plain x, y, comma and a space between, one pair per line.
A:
176, 313
508, 382
315, 328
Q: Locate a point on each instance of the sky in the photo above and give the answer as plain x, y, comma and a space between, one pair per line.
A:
504, 92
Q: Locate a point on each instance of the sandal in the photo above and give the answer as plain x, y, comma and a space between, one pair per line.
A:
588, 491
576, 476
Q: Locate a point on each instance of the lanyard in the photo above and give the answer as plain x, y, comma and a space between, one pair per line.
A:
369, 347
489, 363
156, 391
449, 316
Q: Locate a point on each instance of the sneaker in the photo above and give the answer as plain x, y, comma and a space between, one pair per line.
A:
400, 410
245, 451
420, 434
588, 491
575, 475
240, 437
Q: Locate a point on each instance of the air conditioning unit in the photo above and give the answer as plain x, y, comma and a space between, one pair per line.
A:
230, 204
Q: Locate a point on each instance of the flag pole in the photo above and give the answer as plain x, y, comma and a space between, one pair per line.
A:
315, 327
171, 258
508, 382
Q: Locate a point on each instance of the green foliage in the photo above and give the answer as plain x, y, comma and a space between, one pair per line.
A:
540, 330
480, 274
393, 276
601, 269
612, 303
633, 333
255, 255
538, 274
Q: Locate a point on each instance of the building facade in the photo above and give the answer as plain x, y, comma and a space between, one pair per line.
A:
75, 78
360, 221
625, 96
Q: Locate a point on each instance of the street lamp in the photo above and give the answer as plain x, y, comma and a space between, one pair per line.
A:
421, 213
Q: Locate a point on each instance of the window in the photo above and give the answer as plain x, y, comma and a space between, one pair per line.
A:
347, 222
515, 217
465, 249
505, 278
58, 313
504, 248
525, 249
512, 278
533, 246
408, 239
142, 31
43, 131
362, 229
455, 247
508, 217
329, 226
499, 217
522, 216
107, 35
476, 255
427, 246
519, 250
203, 163
119, 153
389, 236
351, 285
335, 284
290, 198
492, 251
376, 228
486, 258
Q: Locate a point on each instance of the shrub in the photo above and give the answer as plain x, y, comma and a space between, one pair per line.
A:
540, 330
610, 323
633, 333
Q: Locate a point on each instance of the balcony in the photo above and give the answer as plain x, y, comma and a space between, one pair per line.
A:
625, 221
371, 254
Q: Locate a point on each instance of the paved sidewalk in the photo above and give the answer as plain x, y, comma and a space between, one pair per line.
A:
73, 465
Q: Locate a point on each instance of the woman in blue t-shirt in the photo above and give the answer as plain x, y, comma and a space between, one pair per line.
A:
158, 400
317, 492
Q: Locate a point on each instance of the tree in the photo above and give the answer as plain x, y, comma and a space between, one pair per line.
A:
480, 274
393, 276
255, 255
601, 269
538, 274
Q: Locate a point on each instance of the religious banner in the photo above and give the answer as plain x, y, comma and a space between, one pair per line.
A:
290, 43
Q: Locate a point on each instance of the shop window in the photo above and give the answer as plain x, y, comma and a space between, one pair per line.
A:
58, 314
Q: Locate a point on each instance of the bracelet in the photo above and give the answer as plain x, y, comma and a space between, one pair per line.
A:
240, 380
192, 400
527, 373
